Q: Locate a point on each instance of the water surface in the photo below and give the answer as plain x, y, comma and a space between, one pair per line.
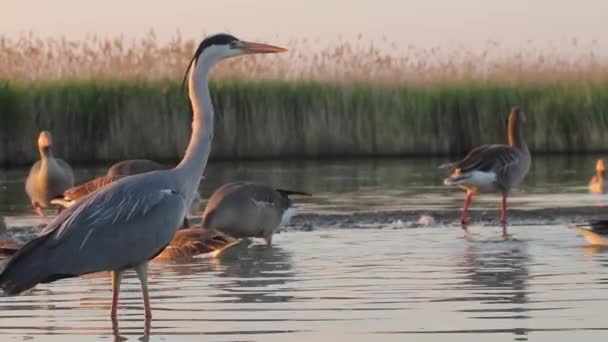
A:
384, 281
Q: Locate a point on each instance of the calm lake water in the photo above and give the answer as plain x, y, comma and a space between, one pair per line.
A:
385, 281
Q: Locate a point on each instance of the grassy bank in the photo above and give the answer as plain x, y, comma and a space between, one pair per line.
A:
104, 121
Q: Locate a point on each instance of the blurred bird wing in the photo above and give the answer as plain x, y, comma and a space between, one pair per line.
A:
497, 158
81, 190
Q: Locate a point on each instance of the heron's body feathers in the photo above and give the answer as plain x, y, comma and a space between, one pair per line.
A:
136, 216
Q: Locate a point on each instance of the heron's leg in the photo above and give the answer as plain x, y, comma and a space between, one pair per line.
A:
464, 217
268, 240
142, 274
116, 278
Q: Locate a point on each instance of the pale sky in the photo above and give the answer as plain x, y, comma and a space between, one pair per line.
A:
422, 23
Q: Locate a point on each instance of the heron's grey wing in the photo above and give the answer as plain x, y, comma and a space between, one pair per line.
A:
122, 225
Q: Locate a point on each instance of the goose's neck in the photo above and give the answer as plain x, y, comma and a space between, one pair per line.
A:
195, 159
46, 153
515, 132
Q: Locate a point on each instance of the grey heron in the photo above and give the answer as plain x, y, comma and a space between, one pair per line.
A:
493, 168
71, 195
248, 209
49, 177
129, 222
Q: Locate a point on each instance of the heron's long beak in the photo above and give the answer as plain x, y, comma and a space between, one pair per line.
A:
250, 47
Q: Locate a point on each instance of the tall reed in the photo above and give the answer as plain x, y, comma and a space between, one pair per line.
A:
102, 121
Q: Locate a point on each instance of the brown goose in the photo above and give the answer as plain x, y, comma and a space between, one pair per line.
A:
597, 184
134, 167
49, 177
8, 248
493, 168
247, 209
191, 242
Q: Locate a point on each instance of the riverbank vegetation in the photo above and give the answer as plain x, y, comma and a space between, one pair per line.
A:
106, 100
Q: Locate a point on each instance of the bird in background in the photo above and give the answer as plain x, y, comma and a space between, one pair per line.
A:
494, 168
249, 209
597, 184
49, 177
125, 224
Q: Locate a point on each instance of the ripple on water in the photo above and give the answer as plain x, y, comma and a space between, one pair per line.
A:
428, 282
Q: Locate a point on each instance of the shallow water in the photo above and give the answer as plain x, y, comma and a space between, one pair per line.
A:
385, 281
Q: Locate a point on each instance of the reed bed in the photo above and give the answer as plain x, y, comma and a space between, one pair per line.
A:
97, 122
29, 58
113, 99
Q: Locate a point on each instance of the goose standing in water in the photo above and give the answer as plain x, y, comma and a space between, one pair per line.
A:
125, 224
597, 184
49, 177
493, 168
247, 209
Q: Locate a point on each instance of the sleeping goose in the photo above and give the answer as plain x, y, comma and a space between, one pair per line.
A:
49, 177
493, 168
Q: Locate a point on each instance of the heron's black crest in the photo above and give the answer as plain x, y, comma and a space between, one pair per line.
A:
216, 39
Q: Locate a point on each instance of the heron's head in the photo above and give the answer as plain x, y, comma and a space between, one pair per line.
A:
599, 166
222, 45
45, 141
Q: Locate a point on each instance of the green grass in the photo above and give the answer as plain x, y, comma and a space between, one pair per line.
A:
103, 121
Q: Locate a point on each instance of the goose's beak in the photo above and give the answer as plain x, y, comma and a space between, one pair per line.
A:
250, 48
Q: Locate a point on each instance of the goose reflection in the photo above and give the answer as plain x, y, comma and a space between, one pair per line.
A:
259, 276
256, 274
497, 274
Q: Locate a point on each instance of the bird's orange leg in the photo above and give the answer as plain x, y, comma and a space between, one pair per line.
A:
503, 214
464, 217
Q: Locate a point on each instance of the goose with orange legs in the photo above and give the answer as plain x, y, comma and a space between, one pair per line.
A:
493, 168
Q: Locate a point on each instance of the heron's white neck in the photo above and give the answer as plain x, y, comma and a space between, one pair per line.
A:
193, 164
